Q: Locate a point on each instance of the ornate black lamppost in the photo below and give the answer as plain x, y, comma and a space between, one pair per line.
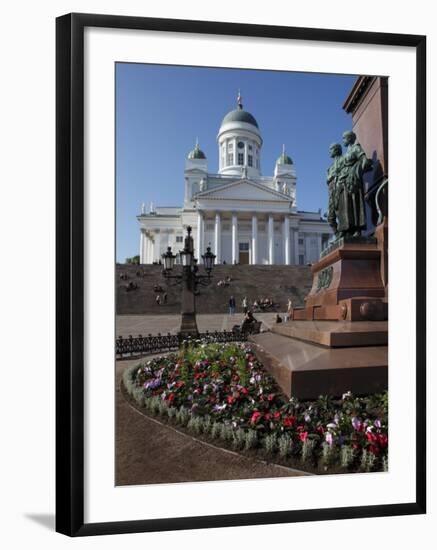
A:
190, 279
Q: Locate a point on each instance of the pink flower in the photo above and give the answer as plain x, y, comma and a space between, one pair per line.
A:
255, 417
303, 436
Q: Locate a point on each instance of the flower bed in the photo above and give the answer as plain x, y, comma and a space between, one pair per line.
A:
222, 392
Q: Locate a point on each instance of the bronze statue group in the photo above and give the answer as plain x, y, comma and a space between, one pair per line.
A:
346, 210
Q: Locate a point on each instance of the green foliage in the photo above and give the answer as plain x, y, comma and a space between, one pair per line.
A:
133, 260
347, 456
270, 443
285, 446
308, 449
251, 440
329, 454
239, 438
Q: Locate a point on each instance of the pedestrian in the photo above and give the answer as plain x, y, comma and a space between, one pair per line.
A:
158, 299
244, 304
289, 309
231, 305
165, 297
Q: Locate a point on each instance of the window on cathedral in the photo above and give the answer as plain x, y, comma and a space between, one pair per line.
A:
179, 238
240, 159
301, 259
300, 241
250, 160
230, 159
250, 147
240, 145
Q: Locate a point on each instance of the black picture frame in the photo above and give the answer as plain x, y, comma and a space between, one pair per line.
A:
70, 273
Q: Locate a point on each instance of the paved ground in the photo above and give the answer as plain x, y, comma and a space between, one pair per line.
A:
148, 452
152, 324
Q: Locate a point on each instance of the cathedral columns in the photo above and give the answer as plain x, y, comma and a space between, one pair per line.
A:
147, 247
199, 235
296, 247
157, 247
142, 242
235, 254
254, 239
270, 240
286, 240
217, 237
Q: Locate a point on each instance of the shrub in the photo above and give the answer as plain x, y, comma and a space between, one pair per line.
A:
270, 443
251, 439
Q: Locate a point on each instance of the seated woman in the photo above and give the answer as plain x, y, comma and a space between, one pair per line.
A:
248, 322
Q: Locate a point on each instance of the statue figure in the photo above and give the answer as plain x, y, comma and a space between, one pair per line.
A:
346, 210
332, 179
351, 214
202, 185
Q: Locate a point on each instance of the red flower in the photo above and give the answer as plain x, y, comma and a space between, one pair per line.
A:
271, 396
290, 421
231, 399
300, 428
277, 414
320, 429
244, 391
255, 417
170, 397
303, 436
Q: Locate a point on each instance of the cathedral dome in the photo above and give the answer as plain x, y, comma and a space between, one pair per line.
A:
196, 153
239, 115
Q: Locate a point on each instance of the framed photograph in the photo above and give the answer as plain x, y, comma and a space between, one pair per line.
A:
240, 276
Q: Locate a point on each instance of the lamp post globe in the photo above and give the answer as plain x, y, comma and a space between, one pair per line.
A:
186, 257
208, 260
168, 259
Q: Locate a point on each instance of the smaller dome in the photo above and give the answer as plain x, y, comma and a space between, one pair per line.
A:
284, 158
196, 153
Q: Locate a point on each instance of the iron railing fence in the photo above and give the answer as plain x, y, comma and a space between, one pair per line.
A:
147, 345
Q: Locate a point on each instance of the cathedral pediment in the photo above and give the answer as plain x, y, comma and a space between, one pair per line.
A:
244, 189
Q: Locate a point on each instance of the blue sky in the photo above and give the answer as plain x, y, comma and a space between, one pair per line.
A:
160, 110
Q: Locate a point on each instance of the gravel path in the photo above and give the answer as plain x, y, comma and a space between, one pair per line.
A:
149, 452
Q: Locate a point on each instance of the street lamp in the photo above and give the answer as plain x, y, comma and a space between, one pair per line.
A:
190, 279
168, 258
208, 260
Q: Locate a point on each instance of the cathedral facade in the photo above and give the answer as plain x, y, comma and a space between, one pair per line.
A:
245, 217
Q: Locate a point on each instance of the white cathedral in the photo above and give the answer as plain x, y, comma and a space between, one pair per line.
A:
245, 217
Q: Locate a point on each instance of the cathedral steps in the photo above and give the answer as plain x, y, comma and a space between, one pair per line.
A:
278, 283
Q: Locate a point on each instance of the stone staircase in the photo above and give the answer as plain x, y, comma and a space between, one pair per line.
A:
253, 281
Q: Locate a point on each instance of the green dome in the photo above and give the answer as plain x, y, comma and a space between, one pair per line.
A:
238, 115
284, 159
196, 153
